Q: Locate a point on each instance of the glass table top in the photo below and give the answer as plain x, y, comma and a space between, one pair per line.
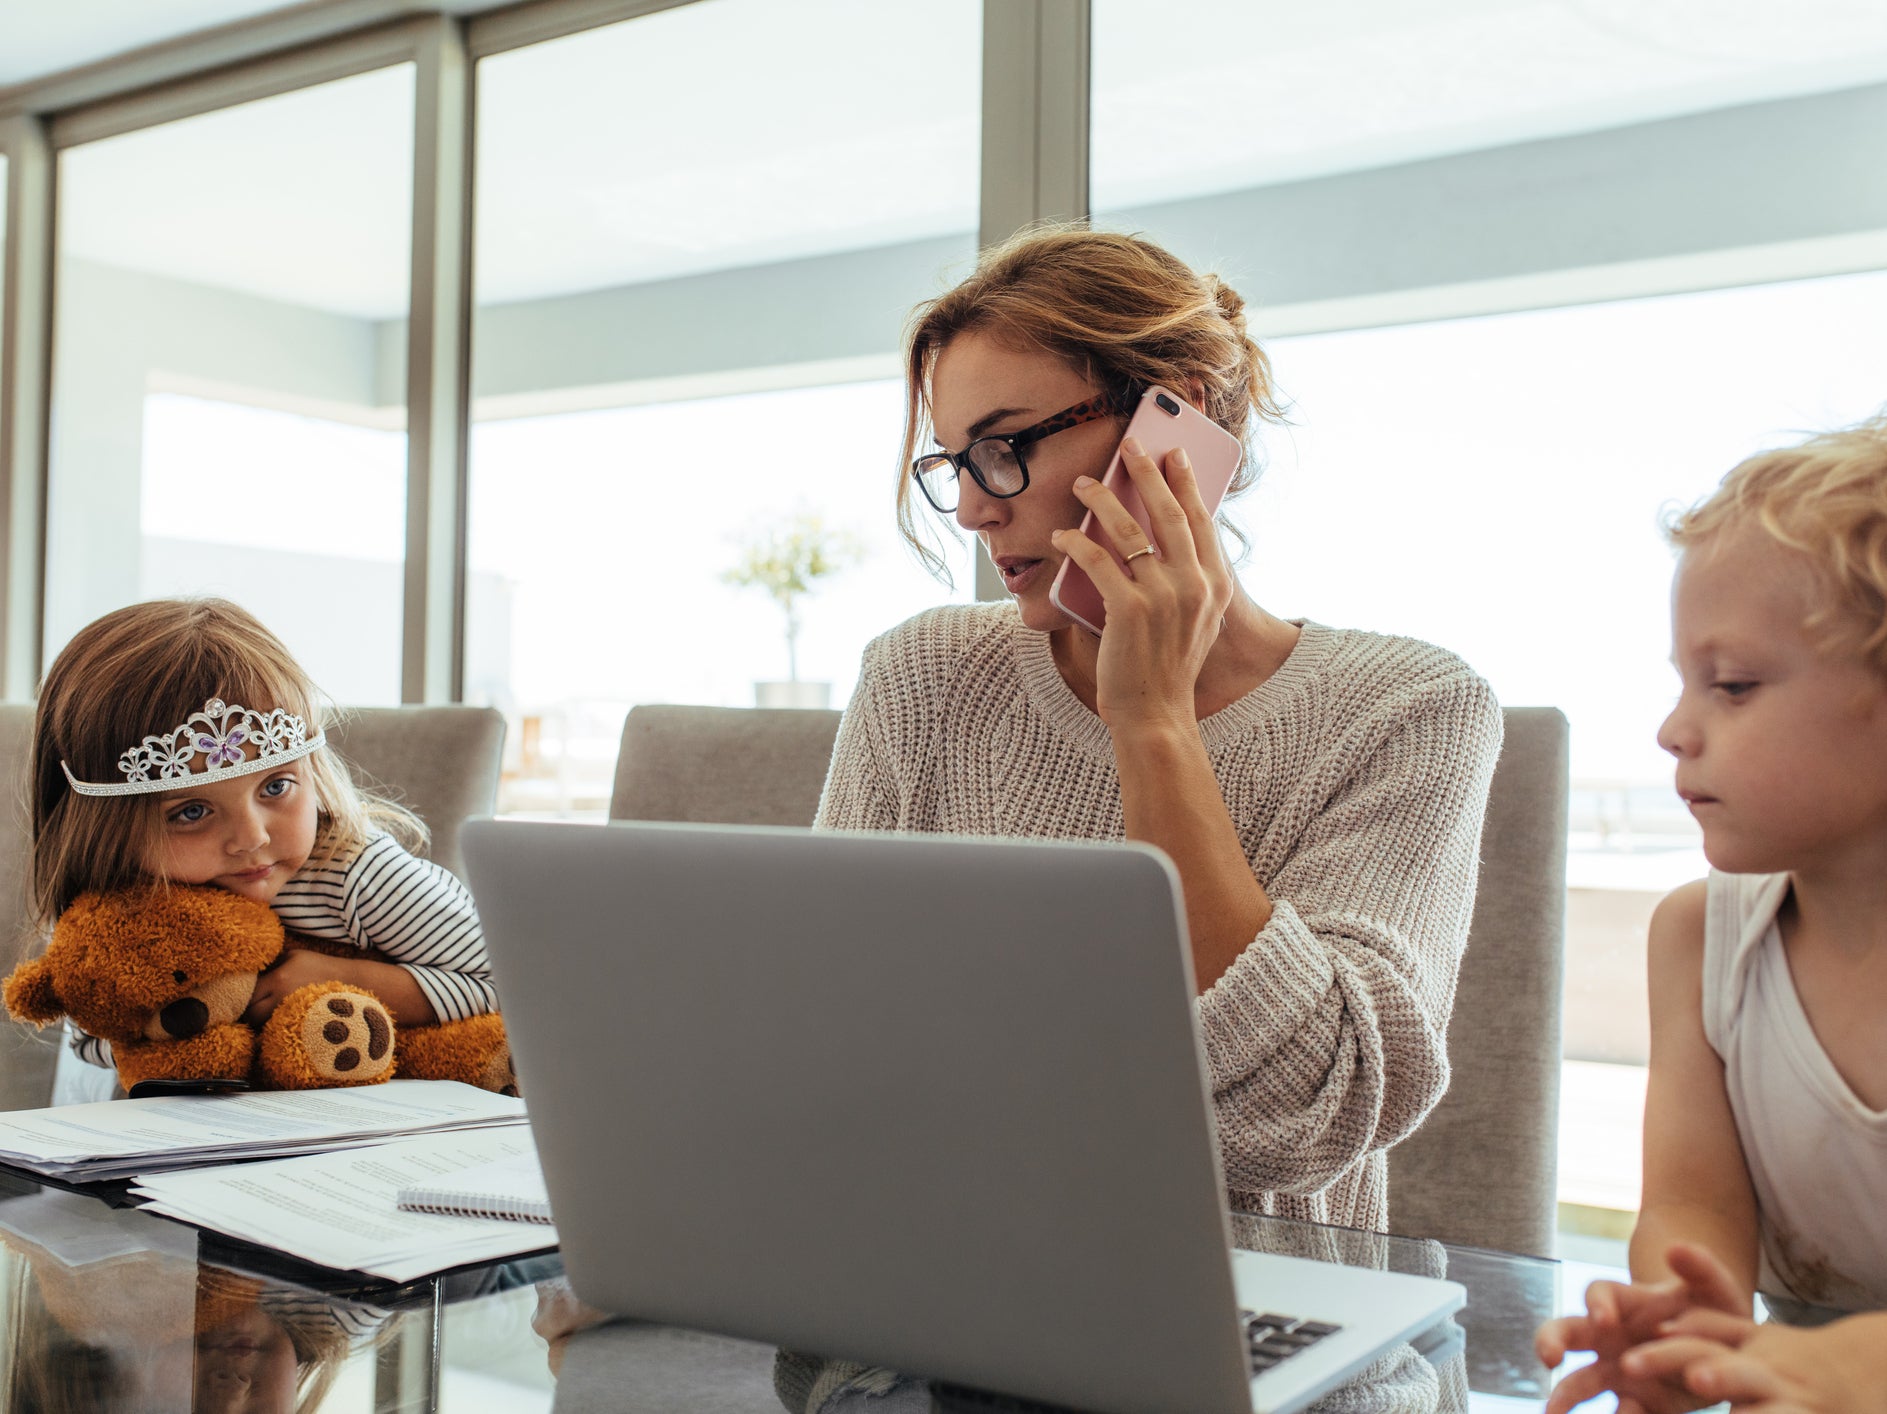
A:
108, 1308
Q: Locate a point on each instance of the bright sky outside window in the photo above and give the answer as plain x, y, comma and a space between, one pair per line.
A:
1496, 485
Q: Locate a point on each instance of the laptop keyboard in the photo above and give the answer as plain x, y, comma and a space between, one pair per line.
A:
1273, 1339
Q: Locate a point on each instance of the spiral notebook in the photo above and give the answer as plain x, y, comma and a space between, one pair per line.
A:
509, 1188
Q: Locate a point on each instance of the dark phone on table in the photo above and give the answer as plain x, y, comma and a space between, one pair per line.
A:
153, 1089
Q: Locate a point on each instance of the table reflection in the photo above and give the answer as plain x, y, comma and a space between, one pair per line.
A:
629, 1367
105, 1308
119, 1311
626, 1367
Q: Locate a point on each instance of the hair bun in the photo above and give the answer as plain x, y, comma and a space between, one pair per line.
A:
1231, 304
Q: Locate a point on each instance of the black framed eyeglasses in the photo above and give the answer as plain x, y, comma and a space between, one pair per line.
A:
996, 463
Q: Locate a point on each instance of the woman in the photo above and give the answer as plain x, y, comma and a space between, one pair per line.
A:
1320, 790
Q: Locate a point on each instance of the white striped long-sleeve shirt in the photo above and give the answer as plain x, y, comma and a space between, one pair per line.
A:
411, 911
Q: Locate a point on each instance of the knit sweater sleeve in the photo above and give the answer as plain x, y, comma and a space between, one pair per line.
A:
863, 790
1327, 1038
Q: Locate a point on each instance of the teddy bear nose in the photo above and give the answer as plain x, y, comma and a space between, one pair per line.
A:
185, 1017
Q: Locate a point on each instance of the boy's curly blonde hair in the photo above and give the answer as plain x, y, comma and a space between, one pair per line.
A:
1826, 499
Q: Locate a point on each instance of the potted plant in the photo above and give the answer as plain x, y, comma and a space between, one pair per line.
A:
787, 558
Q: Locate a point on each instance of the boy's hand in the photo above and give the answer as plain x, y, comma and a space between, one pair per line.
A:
295, 968
1622, 1317
559, 1316
1773, 1369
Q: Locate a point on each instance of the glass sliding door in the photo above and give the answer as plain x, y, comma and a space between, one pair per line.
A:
229, 403
1530, 275
698, 234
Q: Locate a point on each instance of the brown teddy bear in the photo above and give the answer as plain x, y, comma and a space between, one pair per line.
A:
165, 971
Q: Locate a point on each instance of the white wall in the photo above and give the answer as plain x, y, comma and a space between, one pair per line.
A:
1767, 173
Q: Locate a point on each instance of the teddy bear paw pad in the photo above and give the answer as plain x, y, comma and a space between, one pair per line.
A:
348, 1039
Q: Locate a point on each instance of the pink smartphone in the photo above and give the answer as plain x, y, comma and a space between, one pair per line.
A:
1162, 422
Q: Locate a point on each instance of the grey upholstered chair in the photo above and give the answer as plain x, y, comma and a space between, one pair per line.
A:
441, 763
28, 1056
723, 765
1482, 1170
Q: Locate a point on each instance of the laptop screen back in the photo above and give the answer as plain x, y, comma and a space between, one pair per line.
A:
924, 1102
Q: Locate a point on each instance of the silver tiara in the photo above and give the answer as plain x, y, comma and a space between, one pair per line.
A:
210, 745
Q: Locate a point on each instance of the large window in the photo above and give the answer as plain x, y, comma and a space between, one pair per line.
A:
315, 551
1461, 230
1497, 484
1530, 271
228, 386
689, 298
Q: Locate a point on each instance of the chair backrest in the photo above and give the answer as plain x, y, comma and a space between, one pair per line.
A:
28, 1056
723, 765
1482, 1170
441, 763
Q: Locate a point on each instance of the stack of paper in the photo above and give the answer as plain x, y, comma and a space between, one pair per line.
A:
339, 1210
119, 1138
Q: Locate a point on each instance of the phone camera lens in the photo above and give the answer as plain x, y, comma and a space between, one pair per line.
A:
1167, 405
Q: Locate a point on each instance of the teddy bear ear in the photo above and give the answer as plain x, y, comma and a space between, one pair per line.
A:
30, 995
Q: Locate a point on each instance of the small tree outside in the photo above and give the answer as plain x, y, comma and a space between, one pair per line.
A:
788, 559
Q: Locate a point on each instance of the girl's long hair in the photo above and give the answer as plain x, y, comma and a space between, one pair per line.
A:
1119, 310
140, 671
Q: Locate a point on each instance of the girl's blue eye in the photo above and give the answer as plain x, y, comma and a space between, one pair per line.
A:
278, 787
191, 813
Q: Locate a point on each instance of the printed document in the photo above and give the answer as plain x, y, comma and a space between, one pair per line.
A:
339, 1210
118, 1138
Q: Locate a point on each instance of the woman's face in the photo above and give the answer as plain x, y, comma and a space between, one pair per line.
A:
981, 387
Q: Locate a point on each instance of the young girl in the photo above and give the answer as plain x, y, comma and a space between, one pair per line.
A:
1766, 1113
177, 739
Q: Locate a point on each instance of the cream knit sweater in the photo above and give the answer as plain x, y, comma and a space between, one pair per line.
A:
1356, 776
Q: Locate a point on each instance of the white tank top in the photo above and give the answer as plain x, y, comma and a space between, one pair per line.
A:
1817, 1156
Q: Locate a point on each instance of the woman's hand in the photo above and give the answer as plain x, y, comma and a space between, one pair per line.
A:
1165, 610
1772, 1369
1164, 613
1621, 1319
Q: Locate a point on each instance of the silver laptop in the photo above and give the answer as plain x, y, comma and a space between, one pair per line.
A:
925, 1102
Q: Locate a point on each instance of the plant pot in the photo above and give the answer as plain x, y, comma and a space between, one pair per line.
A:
792, 694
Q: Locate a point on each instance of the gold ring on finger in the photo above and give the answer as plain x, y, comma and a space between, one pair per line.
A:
1143, 550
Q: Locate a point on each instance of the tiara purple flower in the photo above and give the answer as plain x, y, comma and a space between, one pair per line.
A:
211, 744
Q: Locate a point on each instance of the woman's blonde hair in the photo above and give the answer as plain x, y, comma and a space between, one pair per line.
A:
1118, 309
1826, 499
138, 672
